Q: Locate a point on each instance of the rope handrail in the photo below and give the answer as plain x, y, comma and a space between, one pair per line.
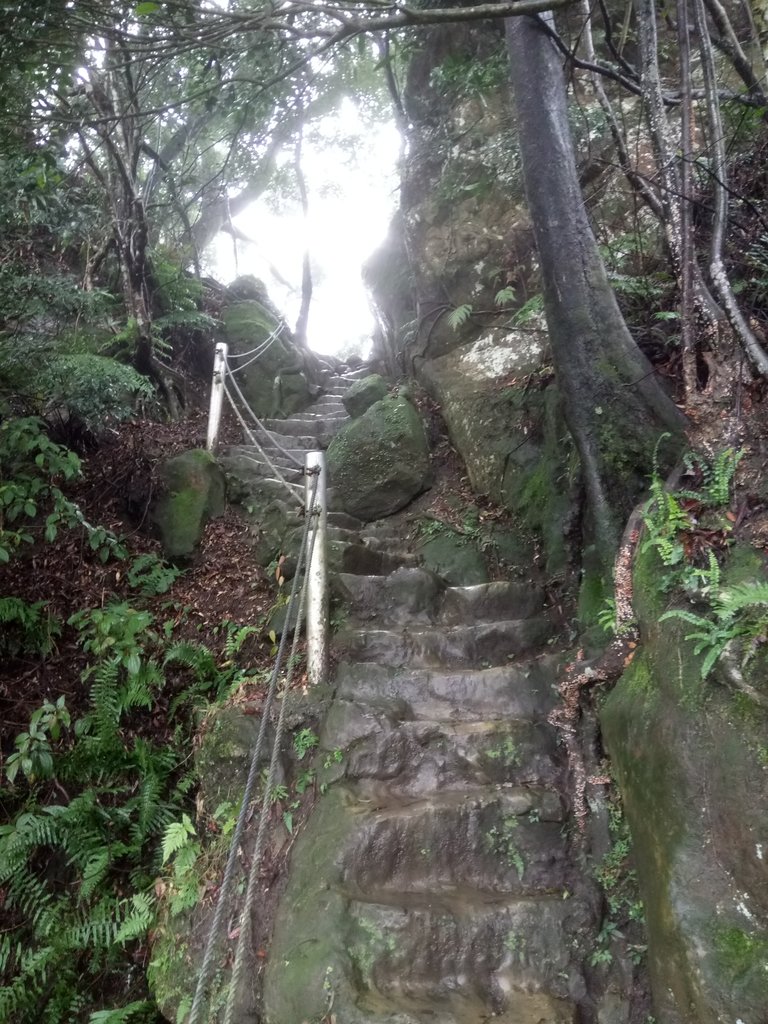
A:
259, 350
252, 438
244, 935
206, 968
256, 419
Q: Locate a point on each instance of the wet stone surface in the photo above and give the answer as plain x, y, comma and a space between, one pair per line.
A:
435, 880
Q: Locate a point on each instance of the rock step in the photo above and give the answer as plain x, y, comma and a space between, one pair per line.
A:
418, 596
515, 964
325, 407
520, 692
391, 760
297, 428
485, 644
358, 558
259, 467
344, 520
483, 846
293, 442
279, 460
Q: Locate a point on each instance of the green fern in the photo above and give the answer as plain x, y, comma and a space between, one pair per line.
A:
729, 621
459, 316
27, 628
124, 1014
151, 576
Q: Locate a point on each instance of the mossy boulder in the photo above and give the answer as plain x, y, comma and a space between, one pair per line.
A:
191, 493
691, 760
364, 393
277, 382
380, 461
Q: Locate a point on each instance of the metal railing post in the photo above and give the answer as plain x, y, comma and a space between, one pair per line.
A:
317, 572
217, 394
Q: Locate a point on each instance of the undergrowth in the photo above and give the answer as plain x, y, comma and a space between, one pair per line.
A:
92, 797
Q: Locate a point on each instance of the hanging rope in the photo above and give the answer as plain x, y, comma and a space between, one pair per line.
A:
258, 350
206, 968
252, 438
244, 936
258, 422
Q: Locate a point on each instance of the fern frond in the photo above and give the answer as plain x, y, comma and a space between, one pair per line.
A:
741, 596
194, 656
95, 872
459, 315
138, 918
121, 1015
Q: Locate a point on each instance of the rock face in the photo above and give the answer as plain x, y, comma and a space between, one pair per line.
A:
192, 492
690, 758
434, 880
380, 461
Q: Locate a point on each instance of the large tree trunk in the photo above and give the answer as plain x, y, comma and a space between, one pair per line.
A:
615, 406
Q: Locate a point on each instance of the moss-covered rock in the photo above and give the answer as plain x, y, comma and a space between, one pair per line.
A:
364, 393
278, 382
379, 461
191, 493
690, 757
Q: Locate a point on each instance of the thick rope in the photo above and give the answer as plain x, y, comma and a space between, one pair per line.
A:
252, 438
258, 350
289, 455
244, 936
206, 968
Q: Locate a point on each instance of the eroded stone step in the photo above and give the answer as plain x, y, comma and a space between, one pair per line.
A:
522, 692
345, 520
388, 758
481, 845
517, 963
417, 595
484, 644
359, 558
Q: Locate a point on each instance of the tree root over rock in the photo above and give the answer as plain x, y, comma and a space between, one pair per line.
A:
583, 673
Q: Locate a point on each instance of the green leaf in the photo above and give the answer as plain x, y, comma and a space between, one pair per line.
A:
459, 316
288, 821
143, 9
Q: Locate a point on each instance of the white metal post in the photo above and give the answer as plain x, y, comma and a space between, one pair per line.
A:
317, 578
217, 394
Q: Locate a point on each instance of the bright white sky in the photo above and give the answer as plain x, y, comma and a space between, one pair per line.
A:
352, 196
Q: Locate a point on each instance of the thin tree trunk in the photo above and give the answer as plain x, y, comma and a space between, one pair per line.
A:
687, 250
302, 321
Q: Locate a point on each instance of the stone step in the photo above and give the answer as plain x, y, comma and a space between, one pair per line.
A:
328, 406
484, 644
516, 963
389, 758
344, 520
520, 692
418, 596
293, 427
314, 413
258, 467
300, 443
361, 559
276, 457
482, 844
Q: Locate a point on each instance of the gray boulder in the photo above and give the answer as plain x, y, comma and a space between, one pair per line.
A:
380, 461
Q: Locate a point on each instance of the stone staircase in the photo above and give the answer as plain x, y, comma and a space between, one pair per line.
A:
353, 545
434, 881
